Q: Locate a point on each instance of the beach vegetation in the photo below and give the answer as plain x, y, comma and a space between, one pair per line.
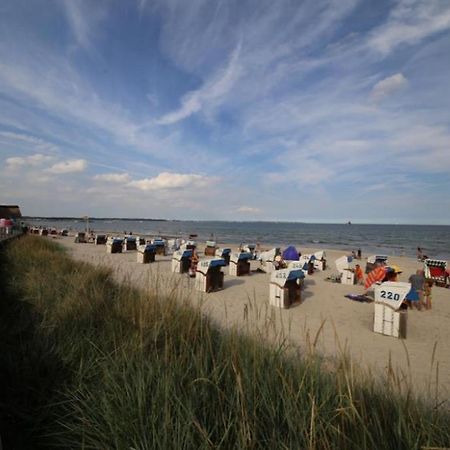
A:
90, 363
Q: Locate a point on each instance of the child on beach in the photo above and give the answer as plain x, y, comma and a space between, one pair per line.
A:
427, 293
359, 276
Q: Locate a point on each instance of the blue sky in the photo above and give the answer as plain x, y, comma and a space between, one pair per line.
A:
227, 109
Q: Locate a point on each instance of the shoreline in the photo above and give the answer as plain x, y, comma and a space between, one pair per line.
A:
325, 317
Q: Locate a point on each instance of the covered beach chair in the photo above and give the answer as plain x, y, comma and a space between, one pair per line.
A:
389, 318
160, 245
140, 240
320, 262
210, 249
80, 238
250, 248
224, 253
129, 244
436, 271
308, 263
345, 267
100, 239
209, 276
267, 259
146, 253
181, 261
285, 287
375, 261
239, 264
114, 245
188, 245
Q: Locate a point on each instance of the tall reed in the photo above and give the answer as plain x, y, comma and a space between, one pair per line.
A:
92, 364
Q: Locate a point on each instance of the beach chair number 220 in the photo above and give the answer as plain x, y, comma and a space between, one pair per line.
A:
390, 295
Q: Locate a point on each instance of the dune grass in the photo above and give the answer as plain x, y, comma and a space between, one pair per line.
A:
90, 364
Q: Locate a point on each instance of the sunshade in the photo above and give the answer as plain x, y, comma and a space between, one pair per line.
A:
290, 254
377, 274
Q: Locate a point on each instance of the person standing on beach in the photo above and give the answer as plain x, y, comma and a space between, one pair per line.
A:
417, 289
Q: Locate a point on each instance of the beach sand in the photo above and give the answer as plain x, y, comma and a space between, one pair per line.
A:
325, 317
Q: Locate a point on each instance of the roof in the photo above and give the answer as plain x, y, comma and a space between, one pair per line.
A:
10, 212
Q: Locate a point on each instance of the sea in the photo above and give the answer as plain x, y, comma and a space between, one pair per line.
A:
392, 240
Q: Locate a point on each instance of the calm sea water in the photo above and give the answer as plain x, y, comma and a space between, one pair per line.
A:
396, 240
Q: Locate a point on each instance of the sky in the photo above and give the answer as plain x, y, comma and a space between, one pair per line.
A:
285, 110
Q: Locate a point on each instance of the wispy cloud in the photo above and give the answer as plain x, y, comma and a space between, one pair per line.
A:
32, 160
113, 177
215, 88
409, 22
166, 180
248, 210
76, 165
388, 85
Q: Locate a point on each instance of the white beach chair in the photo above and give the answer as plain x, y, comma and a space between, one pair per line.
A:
209, 276
239, 264
285, 287
389, 319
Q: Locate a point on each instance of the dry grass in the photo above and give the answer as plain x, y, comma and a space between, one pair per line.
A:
91, 364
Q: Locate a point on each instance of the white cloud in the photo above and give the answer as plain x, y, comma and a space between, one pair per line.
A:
388, 86
74, 165
167, 180
32, 160
410, 22
211, 91
113, 177
248, 209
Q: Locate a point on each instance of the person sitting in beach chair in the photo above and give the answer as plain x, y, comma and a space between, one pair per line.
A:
359, 275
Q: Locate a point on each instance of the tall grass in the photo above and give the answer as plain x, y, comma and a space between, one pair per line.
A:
91, 364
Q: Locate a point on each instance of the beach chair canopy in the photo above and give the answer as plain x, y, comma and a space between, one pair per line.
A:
179, 254
377, 259
343, 263
320, 255
210, 243
269, 255
205, 264
221, 252
290, 254
242, 256
283, 275
392, 293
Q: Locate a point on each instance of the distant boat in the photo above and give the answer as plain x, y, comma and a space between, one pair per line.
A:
349, 222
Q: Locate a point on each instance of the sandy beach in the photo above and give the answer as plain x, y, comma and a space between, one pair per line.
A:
325, 321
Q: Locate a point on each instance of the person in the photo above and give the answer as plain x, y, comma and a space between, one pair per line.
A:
392, 273
359, 275
415, 296
419, 254
353, 254
279, 263
194, 262
427, 293
359, 253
